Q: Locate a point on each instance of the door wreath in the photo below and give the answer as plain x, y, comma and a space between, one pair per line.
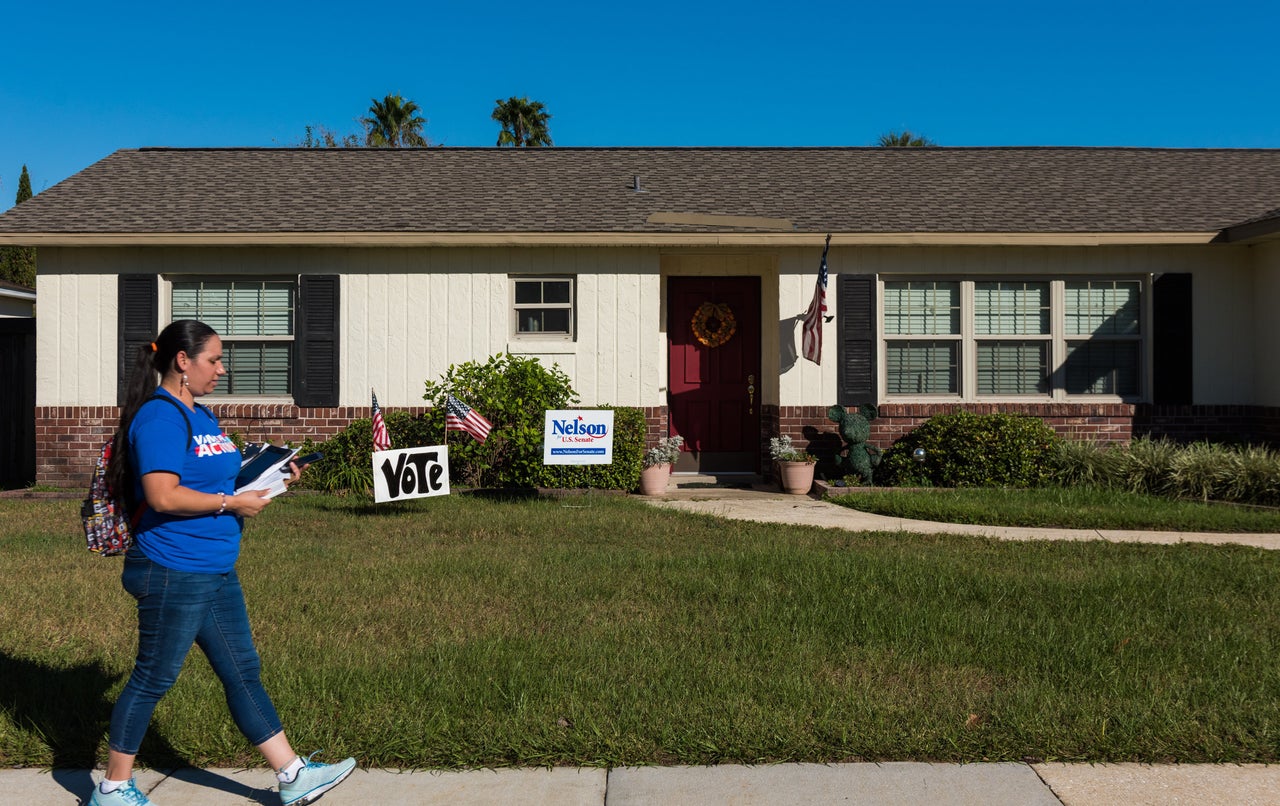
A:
721, 316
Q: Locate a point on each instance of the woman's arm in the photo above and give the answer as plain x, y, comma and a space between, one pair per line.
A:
164, 494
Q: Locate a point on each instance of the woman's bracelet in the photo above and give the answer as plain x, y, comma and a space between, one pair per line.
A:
222, 508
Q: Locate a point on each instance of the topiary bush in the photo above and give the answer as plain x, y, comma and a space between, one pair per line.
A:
963, 449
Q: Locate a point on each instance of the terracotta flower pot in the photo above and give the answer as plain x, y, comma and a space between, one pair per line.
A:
653, 479
796, 477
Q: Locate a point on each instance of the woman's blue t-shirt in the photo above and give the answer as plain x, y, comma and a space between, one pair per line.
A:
208, 462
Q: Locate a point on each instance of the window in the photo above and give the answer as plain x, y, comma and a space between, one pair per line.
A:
543, 306
916, 366
972, 339
255, 319
1007, 318
1106, 313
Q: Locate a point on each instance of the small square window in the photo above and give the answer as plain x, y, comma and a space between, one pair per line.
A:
543, 306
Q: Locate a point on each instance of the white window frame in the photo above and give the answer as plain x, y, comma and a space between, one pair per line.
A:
1057, 338
571, 306
219, 396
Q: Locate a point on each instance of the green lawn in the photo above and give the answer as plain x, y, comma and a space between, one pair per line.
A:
1063, 507
464, 632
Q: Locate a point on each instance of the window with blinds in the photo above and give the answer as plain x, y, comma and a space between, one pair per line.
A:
915, 366
1006, 338
1012, 320
255, 319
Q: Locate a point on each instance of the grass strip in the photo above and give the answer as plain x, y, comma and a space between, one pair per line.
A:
1062, 507
461, 632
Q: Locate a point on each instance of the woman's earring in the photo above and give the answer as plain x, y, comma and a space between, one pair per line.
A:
184, 380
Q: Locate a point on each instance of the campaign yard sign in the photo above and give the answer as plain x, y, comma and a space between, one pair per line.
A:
578, 438
410, 473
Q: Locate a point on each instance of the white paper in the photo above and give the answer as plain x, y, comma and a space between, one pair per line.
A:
267, 470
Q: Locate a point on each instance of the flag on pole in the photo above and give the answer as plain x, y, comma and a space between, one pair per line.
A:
381, 437
458, 416
811, 341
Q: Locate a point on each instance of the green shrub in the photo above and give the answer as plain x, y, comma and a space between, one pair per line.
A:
629, 431
513, 393
963, 449
347, 463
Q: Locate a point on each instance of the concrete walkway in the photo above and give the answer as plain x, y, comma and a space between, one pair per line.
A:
889, 784
765, 504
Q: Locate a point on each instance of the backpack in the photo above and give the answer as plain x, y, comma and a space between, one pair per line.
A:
108, 528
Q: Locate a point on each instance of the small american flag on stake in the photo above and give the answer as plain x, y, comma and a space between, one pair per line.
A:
458, 416
381, 437
811, 341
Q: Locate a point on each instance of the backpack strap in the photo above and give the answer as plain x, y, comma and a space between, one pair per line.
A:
142, 506
186, 417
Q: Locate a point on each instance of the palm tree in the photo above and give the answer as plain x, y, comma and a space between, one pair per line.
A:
524, 123
904, 139
394, 122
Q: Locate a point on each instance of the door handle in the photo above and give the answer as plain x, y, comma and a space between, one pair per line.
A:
751, 394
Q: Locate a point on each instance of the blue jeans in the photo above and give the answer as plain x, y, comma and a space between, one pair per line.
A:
175, 610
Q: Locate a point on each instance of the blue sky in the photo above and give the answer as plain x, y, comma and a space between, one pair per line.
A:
80, 80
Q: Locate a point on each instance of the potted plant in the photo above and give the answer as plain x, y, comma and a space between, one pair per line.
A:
795, 466
657, 462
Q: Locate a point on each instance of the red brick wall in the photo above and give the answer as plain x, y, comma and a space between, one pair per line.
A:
808, 425
1097, 422
68, 438
1259, 425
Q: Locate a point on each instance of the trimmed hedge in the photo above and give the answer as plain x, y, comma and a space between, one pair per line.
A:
963, 449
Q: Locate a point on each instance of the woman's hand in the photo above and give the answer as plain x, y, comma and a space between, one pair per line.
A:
248, 503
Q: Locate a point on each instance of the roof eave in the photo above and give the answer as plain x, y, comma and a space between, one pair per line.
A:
617, 239
1265, 230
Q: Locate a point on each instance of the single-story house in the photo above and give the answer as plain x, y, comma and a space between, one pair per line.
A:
16, 301
1112, 291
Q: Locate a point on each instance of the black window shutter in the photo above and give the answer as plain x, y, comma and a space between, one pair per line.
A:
138, 299
315, 370
856, 337
1171, 339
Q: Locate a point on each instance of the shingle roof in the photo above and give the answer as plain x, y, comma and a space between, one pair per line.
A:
570, 190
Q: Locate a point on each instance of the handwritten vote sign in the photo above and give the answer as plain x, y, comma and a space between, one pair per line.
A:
410, 473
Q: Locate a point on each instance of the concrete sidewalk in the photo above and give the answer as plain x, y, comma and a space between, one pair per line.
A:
890, 784
765, 504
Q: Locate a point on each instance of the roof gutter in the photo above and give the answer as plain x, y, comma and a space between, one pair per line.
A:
16, 293
615, 239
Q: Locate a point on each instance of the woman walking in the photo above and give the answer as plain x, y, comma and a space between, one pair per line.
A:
172, 459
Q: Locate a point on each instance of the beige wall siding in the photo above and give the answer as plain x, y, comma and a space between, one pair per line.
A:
75, 334
405, 324
407, 313
802, 382
1266, 331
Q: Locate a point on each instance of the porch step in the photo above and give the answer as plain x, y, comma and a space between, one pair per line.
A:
704, 481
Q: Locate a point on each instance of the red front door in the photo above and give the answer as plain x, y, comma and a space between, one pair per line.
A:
714, 387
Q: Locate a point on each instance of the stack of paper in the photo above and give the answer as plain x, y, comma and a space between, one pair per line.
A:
264, 467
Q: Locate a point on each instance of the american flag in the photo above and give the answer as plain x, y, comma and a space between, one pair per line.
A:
381, 437
458, 416
811, 341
